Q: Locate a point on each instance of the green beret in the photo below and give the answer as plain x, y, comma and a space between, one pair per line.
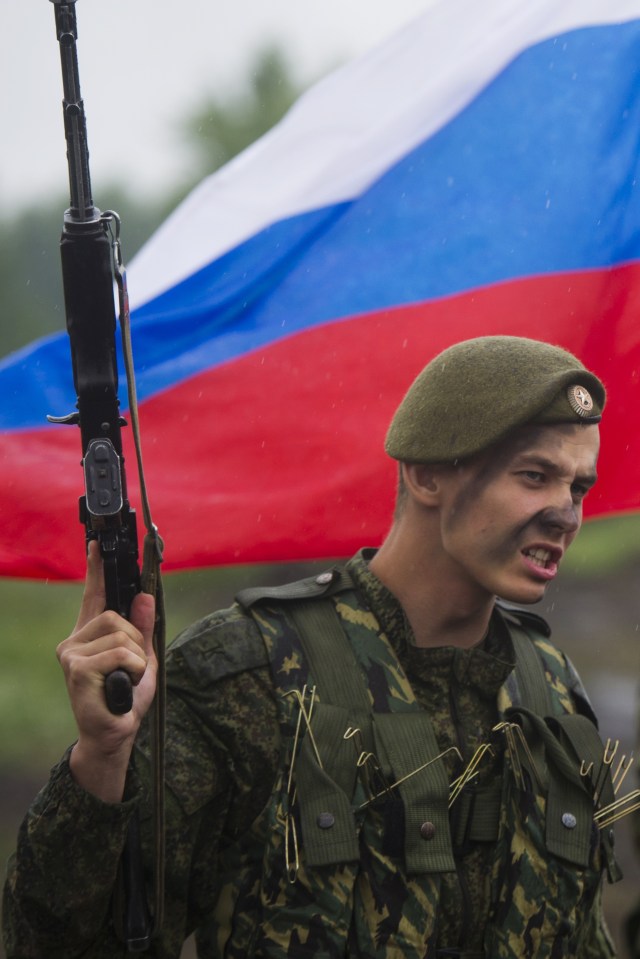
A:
476, 392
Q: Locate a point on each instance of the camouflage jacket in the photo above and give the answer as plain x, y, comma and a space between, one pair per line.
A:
226, 787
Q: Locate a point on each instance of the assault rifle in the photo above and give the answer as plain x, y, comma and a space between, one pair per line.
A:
88, 273
91, 261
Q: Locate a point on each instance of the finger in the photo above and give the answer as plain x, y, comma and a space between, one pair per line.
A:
83, 647
143, 614
93, 598
85, 671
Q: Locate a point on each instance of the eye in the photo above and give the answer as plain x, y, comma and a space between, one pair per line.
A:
579, 491
533, 476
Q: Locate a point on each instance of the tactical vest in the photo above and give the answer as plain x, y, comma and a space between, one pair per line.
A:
315, 878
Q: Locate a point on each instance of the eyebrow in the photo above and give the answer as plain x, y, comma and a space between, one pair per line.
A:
538, 459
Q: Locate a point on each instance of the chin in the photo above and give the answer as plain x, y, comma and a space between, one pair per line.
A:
523, 596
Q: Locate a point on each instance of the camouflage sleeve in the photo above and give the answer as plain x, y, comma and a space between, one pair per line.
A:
66, 836
222, 748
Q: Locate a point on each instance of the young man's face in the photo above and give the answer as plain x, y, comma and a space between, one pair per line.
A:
509, 515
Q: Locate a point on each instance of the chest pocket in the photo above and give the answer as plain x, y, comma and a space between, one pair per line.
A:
396, 743
566, 753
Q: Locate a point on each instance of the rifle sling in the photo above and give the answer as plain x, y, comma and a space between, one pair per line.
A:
151, 582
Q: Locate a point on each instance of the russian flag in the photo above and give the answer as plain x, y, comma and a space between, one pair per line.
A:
476, 174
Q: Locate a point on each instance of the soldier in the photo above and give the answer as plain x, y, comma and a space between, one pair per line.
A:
381, 761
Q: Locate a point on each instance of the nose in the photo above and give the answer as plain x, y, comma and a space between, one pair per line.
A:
561, 518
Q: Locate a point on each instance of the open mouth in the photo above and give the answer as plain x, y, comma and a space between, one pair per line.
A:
544, 558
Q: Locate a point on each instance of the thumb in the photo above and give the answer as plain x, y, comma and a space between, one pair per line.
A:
93, 598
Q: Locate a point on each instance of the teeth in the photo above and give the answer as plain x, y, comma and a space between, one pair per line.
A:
540, 555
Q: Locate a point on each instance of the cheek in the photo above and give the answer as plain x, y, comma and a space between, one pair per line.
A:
482, 513
492, 530
496, 541
479, 530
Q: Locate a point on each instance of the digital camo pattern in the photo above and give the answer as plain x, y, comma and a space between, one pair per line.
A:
223, 757
222, 754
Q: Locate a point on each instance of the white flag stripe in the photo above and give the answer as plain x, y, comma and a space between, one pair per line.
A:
344, 132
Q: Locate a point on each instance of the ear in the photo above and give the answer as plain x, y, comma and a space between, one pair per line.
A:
424, 482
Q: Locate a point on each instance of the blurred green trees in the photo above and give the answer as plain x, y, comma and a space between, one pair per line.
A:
31, 303
222, 127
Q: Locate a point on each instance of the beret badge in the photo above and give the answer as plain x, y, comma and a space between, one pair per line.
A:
580, 400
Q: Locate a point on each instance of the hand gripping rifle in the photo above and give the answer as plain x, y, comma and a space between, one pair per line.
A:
91, 261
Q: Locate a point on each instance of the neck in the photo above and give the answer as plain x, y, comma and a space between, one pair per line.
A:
441, 611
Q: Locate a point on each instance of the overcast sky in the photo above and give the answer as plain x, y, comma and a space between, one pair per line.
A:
142, 63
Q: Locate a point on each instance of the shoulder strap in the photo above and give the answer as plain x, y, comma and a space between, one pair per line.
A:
332, 661
313, 587
533, 686
528, 684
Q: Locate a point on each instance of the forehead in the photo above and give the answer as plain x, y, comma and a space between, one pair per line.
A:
554, 437
573, 442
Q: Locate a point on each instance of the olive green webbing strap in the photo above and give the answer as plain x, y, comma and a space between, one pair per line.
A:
334, 669
476, 815
332, 662
406, 737
325, 787
150, 582
533, 686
